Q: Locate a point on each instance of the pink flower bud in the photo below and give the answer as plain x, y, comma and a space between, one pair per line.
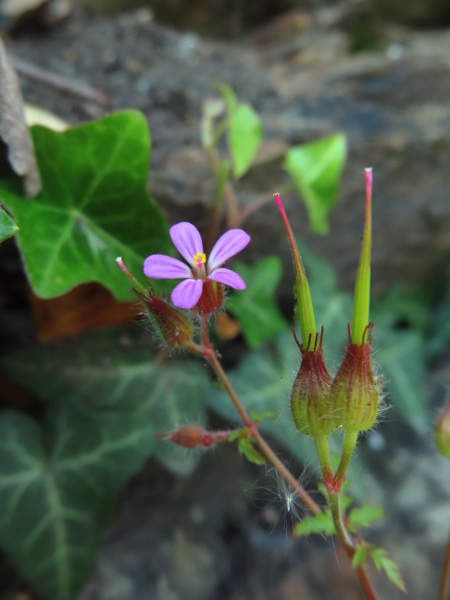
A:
192, 436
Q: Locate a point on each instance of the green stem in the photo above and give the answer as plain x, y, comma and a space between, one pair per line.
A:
350, 439
272, 458
443, 587
323, 452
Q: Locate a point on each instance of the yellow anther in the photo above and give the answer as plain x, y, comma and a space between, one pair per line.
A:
199, 259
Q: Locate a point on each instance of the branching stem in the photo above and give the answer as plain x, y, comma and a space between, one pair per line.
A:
443, 587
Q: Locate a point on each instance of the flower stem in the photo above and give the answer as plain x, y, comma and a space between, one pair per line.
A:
350, 439
442, 594
323, 452
341, 532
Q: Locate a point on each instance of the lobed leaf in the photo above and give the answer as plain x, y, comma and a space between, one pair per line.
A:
364, 516
93, 206
320, 523
389, 566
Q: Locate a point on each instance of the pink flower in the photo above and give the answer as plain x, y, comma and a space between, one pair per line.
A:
188, 242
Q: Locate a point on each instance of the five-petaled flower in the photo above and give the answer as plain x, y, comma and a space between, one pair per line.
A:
188, 242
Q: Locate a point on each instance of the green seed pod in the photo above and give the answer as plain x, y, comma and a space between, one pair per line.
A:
169, 323
310, 402
355, 391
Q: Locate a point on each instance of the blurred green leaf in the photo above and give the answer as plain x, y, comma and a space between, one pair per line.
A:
109, 372
364, 516
320, 523
245, 135
228, 95
58, 484
93, 206
401, 356
316, 169
390, 567
246, 448
263, 381
255, 307
7, 226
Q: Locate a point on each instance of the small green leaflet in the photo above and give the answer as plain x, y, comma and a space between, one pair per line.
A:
7, 226
382, 562
316, 170
93, 206
245, 135
244, 131
364, 516
255, 307
320, 523
245, 447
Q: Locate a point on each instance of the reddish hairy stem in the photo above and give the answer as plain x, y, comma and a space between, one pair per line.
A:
442, 594
342, 533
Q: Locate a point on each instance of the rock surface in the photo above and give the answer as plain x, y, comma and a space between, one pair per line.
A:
392, 104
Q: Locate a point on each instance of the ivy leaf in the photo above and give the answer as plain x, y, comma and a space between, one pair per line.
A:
255, 307
320, 523
316, 169
401, 356
111, 372
93, 206
364, 516
58, 483
245, 135
7, 226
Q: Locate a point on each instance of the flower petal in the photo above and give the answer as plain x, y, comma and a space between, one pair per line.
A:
187, 241
228, 245
187, 293
228, 277
160, 266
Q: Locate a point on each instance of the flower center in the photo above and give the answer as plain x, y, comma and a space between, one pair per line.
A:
199, 259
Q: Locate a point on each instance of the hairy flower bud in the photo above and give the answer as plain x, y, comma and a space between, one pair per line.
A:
355, 391
193, 436
310, 402
442, 432
171, 324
